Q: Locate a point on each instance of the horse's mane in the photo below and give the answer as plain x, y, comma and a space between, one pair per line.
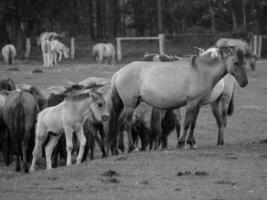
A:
77, 96
7, 84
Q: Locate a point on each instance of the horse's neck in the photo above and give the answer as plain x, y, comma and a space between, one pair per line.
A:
82, 106
215, 72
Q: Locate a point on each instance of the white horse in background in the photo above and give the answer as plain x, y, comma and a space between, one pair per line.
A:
50, 51
9, 53
48, 36
104, 51
59, 48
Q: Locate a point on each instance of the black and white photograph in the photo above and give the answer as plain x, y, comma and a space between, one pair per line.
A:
133, 99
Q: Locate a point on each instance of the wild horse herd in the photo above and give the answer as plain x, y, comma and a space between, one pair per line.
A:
142, 99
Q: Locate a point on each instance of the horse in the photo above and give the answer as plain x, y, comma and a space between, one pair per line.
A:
242, 45
48, 36
160, 57
153, 126
166, 85
89, 126
9, 53
222, 104
46, 53
19, 115
7, 84
104, 51
68, 117
58, 47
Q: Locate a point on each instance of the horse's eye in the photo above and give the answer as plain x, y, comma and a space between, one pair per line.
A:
100, 105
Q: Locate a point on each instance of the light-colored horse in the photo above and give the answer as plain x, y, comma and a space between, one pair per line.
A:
241, 44
221, 101
46, 53
9, 53
68, 117
170, 84
48, 36
59, 48
104, 51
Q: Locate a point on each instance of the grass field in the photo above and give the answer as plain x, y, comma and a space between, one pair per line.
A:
236, 171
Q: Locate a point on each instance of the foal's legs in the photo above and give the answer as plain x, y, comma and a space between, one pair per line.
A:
82, 140
49, 149
128, 114
219, 120
182, 138
40, 137
69, 144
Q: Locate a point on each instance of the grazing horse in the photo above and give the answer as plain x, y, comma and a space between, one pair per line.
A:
241, 44
9, 53
19, 116
7, 84
68, 117
104, 51
166, 85
59, 48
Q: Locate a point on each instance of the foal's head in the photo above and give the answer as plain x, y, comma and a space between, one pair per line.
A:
99, 107
235, 63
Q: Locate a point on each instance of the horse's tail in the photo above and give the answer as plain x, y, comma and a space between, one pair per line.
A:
115, 105
230, 110
10, 56
18, 124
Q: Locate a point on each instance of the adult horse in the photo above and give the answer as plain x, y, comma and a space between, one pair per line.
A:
19, 116
68, 117
9, 53
104, 51
241, 44
170, 84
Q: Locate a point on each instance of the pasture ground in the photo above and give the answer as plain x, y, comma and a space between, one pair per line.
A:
236, 171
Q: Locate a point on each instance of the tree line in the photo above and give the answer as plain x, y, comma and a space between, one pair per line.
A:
102, 19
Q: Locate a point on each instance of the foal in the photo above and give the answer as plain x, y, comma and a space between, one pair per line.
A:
68, 117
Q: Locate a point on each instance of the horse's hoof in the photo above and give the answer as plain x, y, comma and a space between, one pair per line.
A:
186, 146
180, 145
193, 146
136, 150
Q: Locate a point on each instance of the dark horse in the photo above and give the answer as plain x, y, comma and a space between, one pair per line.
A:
7, 84
153, 126
19, 115
169, 85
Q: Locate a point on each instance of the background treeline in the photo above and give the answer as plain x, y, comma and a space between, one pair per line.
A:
100, 19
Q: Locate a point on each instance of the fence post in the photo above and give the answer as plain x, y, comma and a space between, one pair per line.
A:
161, 43
72, 47
259, 45
255, 41
118, 49
27, 48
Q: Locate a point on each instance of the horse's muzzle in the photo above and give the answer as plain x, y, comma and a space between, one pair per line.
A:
104, 117
244, 83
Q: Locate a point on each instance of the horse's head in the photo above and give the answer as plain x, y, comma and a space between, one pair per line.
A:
99, 106
235, 63
7, 84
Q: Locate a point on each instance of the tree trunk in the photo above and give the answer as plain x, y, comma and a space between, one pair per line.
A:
91, 19
160, 29
244, 14
212, 18
233, 14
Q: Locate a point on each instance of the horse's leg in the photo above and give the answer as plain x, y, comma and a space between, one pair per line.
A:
82, 140
49, 150
128, 114
40, 137
121, 140
182, 139
69, 144
24, 147
215, 106
191, 139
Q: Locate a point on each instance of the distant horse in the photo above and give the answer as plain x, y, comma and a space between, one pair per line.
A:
9, 53
166, 85
160, 57
7, 84
46, 53
243, 45
104, 51
59, 48
48, 36
68, 117
19, 115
